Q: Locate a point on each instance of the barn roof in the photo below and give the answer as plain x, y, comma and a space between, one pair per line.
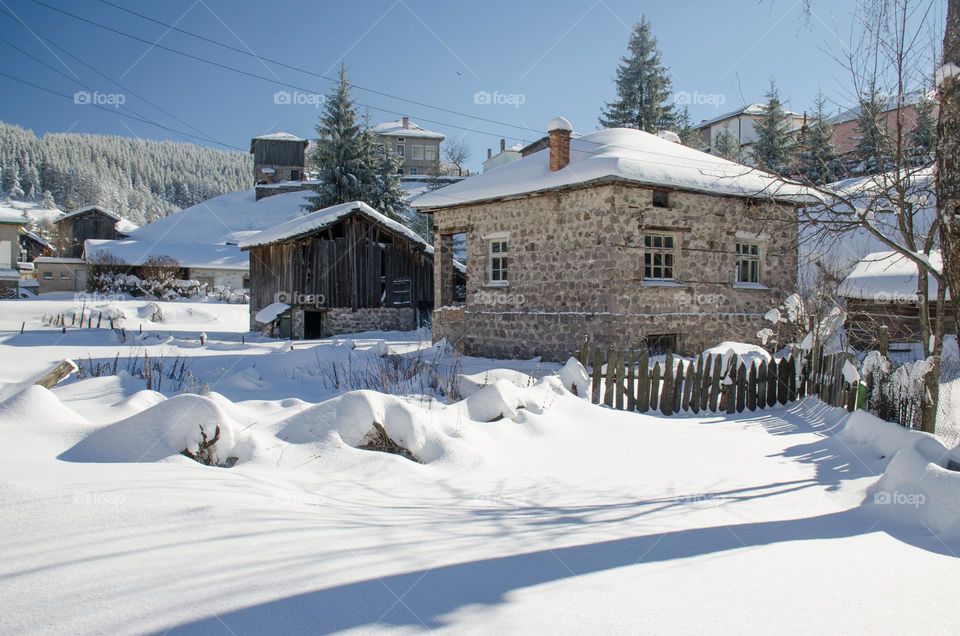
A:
326, 217
276, 136
90, 208
888, 277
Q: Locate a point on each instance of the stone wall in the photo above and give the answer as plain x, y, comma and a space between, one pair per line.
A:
576, 270
344, 320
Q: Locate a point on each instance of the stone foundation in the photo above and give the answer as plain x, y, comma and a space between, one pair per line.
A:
344, 320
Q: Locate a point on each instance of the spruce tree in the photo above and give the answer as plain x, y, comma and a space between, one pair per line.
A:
689, 135
726, 145
773, 148
873, 145
923, 137
351, 167
819, 162
643, 86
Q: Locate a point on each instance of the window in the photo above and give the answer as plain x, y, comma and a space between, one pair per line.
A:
658, 256
659, 344
400, 140
497, 261
64, 275
748, 262
430, 153
413, 170
416, 152
48, 276
246, 282
294, 175
401, 152
661, 199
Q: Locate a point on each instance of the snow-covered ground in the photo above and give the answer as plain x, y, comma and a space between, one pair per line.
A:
560, 517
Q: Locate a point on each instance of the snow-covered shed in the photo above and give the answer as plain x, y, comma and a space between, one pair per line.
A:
882, 293
618, 236
90, 222
343, 269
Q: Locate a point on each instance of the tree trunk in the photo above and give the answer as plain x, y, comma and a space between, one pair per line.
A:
948, 157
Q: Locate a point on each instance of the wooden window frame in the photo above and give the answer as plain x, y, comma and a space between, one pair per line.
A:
656, 244
750, 253
498, 259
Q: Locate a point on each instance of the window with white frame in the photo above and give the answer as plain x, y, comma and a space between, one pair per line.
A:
498, 249
413, 170
430, 153
48, 276
401, 150
659, 256
748, 262
416, 152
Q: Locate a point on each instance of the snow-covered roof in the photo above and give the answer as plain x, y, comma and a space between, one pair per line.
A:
10, 217
36, 238
395, 129
57, 259
910, 99
620, 154
88, 208
9, 274
228, 218
32, 209
192, 255
322, 218
271, 312
888, 277
750, 109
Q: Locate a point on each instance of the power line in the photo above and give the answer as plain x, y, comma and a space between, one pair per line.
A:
186, 137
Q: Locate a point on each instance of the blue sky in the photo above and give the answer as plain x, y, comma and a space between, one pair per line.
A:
537, 59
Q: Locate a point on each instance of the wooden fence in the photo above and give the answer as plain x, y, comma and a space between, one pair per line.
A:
624, 379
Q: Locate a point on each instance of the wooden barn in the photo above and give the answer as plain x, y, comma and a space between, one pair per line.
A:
883, 303
343, 269
91, 222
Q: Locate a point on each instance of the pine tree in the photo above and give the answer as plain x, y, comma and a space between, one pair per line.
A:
643, 86
726, 145
11, 182
683, 125
819, 162
773, 148
46, 201
873, 145
351, 167
923, 137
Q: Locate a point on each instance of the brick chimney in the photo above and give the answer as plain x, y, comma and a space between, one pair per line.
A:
559, 130
489, 153
503, 145
405, 121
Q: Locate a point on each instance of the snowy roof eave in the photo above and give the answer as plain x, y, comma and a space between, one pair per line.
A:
322, 219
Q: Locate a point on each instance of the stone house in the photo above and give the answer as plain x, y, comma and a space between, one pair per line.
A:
620, 237
418, 147
343, 269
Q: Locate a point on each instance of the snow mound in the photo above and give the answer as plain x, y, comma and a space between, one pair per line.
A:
747, 353
883, 439
162, 432
503, 399
40, 423
350, 419
470, 384
574, 377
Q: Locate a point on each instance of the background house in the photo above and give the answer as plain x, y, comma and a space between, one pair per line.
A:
10, 225
846, 133
505, 156
90, 222
417, 147
618, 236
742, 126
343, 269
60, 274
279, 161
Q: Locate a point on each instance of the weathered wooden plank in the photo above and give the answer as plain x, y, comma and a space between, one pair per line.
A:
610, 380
773, 371
752, 388
729, 391
57, 374
583, 355
631, 380
597, 371
621, 379
706, 375
762, 385
741, 388
655, 387
678, 388
696, 384
715, 381
666, 392
688, 382
783, 382
643, 383
792, 392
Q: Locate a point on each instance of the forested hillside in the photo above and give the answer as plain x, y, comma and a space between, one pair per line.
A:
137, 178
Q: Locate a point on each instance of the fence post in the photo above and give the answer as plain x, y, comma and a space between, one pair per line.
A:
715, 383
752, 388
729, 401
792, 379
773, 372
666, 393
655, 387
742, 387
621, 378
597, 370
643, 383
695, 385
610, 377
583, 355
678, 388
688, 384
762, 385
631, 381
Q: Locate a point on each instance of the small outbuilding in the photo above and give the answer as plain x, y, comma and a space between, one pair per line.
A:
91, 222
344, 269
